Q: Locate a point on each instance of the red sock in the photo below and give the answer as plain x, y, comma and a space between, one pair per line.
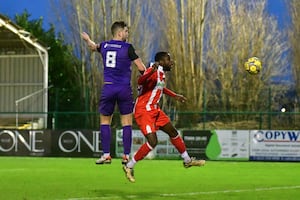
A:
142, 152
178, 143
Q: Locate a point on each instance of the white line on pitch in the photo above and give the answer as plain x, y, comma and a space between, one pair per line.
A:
192, 193
234, 191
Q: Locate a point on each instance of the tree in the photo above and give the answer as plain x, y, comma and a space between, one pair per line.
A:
183, 36
212, 39
294, 37
96, 18
237, 30
63, 68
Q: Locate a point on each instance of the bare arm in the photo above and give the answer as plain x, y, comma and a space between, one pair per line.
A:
178, 97
140, 65
92, 45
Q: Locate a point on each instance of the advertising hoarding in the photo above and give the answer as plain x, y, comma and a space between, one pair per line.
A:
275, 145
164, 147
234, 144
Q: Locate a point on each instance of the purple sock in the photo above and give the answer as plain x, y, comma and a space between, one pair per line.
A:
127, 139
105, 138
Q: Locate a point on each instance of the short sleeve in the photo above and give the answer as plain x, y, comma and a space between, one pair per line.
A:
99, 46
131, 53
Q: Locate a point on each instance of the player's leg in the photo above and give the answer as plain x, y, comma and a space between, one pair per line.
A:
177, 141
140, 154
105, 139
125, 105
126, 121
146, 122
143, 151
106, 108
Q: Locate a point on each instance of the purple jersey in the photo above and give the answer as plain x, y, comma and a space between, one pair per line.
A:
117, 57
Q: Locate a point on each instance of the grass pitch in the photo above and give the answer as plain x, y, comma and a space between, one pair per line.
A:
27, 178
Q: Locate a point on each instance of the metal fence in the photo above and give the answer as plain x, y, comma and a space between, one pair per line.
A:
181, 120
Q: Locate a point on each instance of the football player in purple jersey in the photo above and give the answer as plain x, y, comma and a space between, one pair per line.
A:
117, 57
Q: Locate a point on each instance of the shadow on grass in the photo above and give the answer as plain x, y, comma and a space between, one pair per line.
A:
120, 194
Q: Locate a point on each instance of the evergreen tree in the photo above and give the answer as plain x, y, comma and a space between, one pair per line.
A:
64, 76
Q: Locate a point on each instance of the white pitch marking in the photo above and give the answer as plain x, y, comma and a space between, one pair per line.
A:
235, 191
192, 193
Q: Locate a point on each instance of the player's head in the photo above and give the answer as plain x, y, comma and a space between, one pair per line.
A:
164, 59
119, 30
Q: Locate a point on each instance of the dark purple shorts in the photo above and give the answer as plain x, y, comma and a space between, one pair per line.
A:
113, 94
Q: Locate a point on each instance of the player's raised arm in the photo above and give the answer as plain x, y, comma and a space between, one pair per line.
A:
142, 79
92, 45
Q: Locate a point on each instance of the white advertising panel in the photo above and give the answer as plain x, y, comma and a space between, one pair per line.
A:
234, 144
277, 145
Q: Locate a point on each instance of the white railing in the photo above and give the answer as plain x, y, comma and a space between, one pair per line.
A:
25, 98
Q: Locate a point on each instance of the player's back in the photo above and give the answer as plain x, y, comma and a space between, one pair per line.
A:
117, 64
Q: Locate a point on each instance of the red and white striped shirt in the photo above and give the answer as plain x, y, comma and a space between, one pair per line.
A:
152, 87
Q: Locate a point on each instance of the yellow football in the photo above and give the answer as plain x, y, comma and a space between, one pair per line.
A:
253, 65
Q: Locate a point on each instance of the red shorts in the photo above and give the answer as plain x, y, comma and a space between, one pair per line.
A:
151, 121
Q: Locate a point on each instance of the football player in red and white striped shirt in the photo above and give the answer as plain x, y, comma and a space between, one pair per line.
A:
151, 118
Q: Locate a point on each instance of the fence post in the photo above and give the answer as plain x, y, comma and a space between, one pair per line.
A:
53, 121
56, 109
260, 120
204, 105
87, 117
269, 109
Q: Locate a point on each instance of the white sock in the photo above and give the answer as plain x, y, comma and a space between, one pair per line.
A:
131, 163
106, 155
186, 157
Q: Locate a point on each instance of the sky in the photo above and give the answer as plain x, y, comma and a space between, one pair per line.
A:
279, 9
42, 8
37, 9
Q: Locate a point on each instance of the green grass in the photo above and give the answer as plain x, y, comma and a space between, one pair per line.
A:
24, 178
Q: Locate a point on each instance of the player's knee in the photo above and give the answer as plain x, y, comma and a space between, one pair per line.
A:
152, 140
152, 144
173, 133
126, 120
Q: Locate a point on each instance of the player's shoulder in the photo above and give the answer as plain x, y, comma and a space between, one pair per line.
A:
149, 70
115, 44
127, 44
121, 43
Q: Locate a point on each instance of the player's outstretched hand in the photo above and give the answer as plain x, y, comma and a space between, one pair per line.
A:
85, 36
180, 98
92, 45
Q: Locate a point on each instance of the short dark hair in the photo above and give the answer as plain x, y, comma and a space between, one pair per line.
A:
160, 55
117, 25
